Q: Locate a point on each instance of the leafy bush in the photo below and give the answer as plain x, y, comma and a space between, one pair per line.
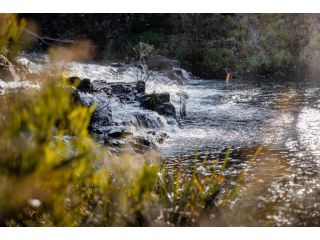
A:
123, 46
257, 62
54, 174
218, 58
45, 153
11, 30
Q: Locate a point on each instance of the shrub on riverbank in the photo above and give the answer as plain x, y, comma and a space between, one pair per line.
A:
208, 45
54, 174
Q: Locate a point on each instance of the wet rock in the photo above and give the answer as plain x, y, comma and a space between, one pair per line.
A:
141, 87
167, 109
147, 121
171, 75
163, 98
168, 67
152, 132
161, 137
119, 133
151, 101
159, 103
142, 144
119, 89
178, 72
73, 80
126, 92
116, 142
100, 119
84, 85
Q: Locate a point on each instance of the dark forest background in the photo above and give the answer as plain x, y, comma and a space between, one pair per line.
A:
208, 45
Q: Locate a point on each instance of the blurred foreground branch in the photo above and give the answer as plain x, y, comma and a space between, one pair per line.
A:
47, 40
10, 67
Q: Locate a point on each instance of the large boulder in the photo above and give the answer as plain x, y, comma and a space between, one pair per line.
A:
100, 118
167, 109
141, 87
83, 85
125, 92
159, 103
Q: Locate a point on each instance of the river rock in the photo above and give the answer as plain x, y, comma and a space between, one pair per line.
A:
141, 87
118, 133
125, 92
84, 85
147, 121
142, 144
159, 103
166, 109
100, 119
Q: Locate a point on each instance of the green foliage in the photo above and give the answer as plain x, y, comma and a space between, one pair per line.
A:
257, 62
191, 197
36, 162
54, 174
11, 30
282, 58
218, 58
124, 45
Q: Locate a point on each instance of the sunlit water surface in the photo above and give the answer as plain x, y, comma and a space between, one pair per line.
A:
272, 128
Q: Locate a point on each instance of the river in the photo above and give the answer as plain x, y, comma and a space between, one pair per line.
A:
271, 127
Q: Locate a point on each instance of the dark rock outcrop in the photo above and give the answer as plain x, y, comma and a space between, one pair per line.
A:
83, 85
166, 109
142, 144
125, 92
145, 121
159, 103
141, 87
100, 118
117, 133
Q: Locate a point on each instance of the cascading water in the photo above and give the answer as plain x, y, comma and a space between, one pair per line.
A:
281, 117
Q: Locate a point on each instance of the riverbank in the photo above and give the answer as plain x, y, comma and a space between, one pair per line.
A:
239, 146
208, 45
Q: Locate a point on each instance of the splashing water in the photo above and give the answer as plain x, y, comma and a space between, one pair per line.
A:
281, 186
